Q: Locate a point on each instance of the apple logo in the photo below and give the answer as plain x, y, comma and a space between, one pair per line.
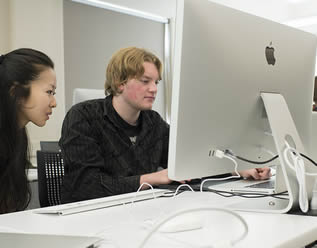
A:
269, 54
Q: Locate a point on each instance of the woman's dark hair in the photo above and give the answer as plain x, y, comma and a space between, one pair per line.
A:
17, 70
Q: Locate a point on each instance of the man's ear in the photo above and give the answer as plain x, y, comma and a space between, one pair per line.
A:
121, 87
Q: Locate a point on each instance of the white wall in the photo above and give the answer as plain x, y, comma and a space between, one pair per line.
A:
38, 24
142, 35
90, 27
4, 26
164, 8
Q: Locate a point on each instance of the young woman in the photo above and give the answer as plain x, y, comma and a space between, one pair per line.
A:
27, 89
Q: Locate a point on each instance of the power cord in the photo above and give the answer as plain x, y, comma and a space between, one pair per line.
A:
298, 166
181, 186
282, 195
221, 154
227, 154
139, 189
313, 202
230, 153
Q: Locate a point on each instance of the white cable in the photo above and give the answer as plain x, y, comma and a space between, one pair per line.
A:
139, 189
173, 215
221, 154
180, 186
297, 154
301, 177
313, 202
299, 167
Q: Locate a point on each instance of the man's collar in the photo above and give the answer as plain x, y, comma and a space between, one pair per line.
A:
108, 111
107, 105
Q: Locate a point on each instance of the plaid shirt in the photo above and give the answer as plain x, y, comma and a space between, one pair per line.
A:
100, 159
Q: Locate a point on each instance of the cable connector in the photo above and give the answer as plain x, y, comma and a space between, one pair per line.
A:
218, 153
229, 152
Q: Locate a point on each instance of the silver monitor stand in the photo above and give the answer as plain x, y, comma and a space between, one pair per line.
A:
283, 129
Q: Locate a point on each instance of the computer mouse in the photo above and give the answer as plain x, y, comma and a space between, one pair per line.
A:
183, 223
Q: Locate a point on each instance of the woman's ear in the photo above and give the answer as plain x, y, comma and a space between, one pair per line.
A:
13, 90
17, 92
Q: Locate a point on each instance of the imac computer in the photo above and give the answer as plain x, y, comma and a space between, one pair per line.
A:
241, 83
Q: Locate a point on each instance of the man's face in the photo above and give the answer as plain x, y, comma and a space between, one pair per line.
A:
140, 93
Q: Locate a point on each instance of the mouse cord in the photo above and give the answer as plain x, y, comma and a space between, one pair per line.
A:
181, 212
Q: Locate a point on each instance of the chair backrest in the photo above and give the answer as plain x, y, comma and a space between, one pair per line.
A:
51, 146
50, 169
80, 94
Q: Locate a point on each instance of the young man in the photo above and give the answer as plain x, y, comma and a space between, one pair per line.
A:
113, 145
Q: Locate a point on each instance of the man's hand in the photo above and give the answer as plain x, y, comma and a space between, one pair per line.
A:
257, 173
156, 178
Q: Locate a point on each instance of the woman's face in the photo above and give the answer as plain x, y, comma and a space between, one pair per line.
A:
39, 105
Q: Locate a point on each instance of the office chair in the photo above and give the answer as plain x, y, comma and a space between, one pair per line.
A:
51, 146
80, 95
50, 169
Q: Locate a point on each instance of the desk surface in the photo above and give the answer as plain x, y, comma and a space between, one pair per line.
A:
134, 221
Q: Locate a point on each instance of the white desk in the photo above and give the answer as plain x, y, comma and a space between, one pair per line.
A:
127, 225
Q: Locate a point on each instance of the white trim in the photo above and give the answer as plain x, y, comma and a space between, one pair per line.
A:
125, 10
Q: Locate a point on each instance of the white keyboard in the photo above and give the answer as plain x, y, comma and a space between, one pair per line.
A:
89, 205
264, 185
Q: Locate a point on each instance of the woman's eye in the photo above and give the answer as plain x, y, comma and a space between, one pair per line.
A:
51, 92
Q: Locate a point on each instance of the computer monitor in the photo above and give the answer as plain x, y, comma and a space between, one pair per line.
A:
224, 59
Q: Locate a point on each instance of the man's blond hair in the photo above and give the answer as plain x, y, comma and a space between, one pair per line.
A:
128, 63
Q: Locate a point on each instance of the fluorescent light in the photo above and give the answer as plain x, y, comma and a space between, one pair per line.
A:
125, 10
302, 22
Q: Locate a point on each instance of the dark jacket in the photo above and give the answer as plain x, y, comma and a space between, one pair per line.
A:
100, 160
